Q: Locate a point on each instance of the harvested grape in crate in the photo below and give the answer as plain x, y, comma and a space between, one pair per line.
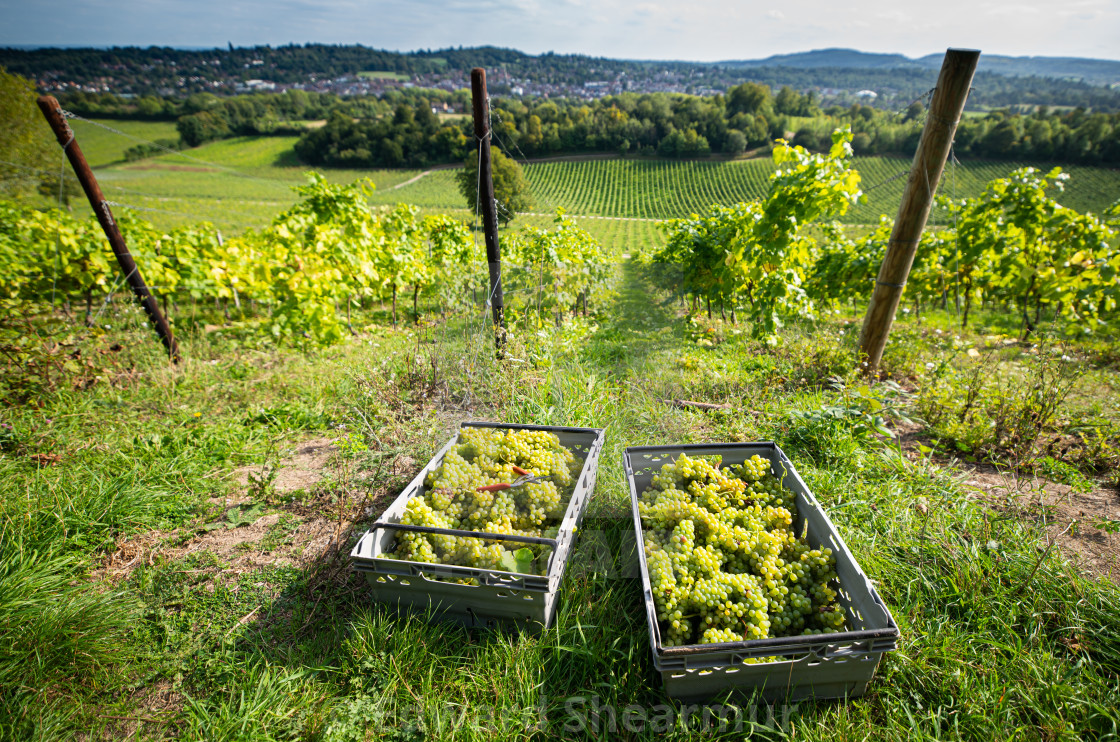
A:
483, 533
746, 581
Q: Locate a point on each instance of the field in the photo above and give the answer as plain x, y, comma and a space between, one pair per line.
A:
103, 147
382, 75
665, 190
241, 183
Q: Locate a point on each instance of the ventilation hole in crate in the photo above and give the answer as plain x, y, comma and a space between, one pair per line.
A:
528, 597
382, 579
405, 582
702, 673
501, 594
678, 675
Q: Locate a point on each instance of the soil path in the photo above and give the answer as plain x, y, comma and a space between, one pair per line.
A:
410, 181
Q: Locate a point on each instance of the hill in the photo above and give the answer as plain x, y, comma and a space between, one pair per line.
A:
1091, 71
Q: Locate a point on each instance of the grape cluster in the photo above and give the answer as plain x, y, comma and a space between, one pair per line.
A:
452, 499
725, 564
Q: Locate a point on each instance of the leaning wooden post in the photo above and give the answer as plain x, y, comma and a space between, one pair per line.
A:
487, 203
62, 131
929, 162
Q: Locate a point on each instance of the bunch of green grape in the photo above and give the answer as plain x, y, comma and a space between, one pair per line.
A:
725, 564
452, 499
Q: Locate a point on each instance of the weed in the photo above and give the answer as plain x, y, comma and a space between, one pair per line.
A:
858, 417
997, 408
238, 516
1063, 473
1097, 449
39, 360
292, 416
262, 484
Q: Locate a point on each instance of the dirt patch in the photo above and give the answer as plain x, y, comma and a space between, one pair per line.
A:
1067, 515
301, 470
154, 714
300, 531
296, 541
157, 708
300, 535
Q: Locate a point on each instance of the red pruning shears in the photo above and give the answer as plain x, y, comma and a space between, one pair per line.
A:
525, 478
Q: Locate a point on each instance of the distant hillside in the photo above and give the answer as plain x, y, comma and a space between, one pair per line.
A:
834, 76
1092, 71
831, 58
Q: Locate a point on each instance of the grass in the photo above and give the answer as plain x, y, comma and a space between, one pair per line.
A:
235, 183
103, 147
382, 75
1001, 637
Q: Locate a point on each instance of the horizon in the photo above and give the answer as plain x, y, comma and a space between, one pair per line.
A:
650, 30
225, 47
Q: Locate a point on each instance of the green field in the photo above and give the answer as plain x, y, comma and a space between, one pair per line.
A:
241, 183
103, 147
664, 190
381, 75
237, 183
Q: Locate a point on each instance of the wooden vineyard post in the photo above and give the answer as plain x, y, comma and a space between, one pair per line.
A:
487, 204
65, 135
929, 162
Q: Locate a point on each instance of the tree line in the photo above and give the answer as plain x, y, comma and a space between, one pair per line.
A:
684, 126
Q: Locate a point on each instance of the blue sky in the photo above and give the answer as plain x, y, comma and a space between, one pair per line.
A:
703, 30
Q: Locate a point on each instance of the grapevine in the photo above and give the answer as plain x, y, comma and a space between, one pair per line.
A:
725, 563
459, 494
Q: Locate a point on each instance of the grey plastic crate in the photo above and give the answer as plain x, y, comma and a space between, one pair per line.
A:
823, 666
500, 598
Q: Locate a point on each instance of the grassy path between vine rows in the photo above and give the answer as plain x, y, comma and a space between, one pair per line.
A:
173, 542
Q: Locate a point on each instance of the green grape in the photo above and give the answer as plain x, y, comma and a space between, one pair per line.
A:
717, 636
724, 561
481, 457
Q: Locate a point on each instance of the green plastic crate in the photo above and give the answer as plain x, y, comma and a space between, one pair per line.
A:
836, 665
500, 598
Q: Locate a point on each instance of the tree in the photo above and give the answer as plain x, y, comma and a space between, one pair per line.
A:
199, 128
511, 190
747, 98
28, 155
735, 143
